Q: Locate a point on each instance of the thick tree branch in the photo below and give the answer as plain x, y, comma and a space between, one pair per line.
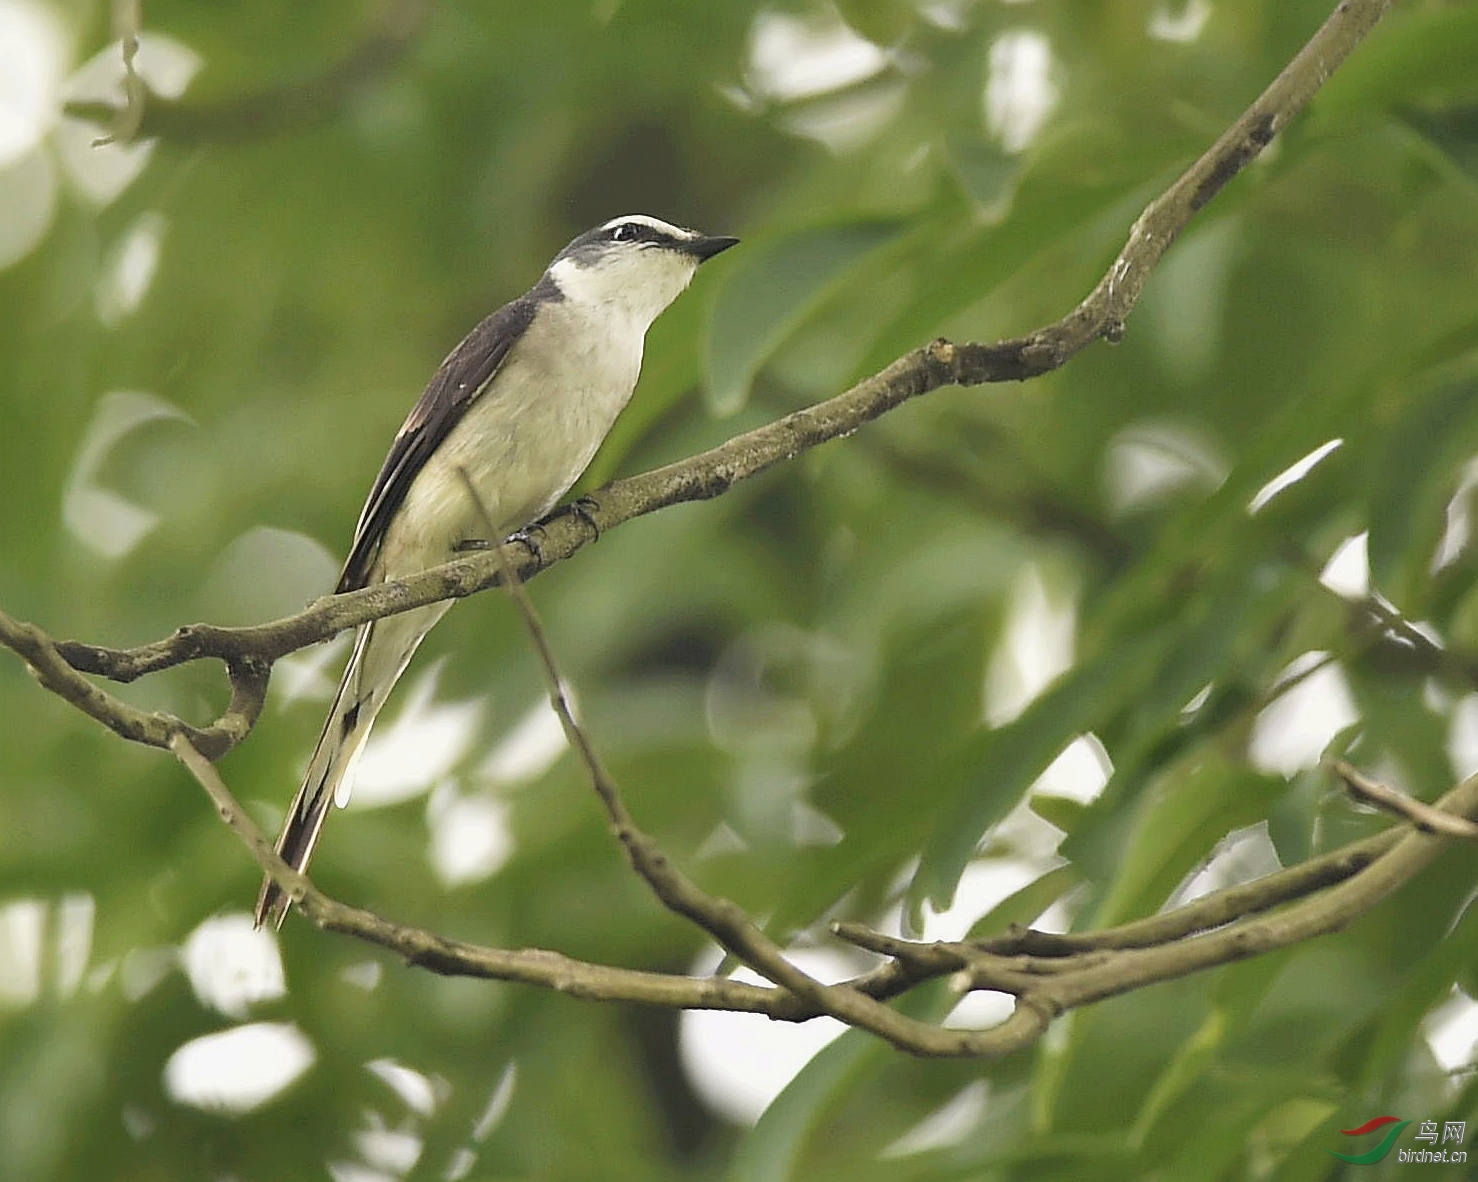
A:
248, 677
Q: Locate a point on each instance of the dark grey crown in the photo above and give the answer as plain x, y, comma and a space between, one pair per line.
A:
592, 244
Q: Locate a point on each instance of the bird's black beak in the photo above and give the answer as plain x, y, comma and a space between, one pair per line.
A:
706, 247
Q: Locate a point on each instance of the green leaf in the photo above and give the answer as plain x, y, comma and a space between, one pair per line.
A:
1188, 1066
935, 660
1063, 811
1427, 53
1001, 764
774, 1150
883, 22
778, 285
1023, 905
1413, 472
1196, 804
986, 172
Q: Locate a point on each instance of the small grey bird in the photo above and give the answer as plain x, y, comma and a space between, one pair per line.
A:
521, 404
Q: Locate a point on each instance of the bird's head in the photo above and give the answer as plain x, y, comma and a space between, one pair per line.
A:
633, 266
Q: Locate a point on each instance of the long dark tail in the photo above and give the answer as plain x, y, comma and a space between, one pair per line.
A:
329, 771
382, 650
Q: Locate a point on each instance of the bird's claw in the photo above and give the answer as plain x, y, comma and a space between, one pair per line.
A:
585, 509
526, 536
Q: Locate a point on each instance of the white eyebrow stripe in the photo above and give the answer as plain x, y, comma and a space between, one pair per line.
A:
652, 224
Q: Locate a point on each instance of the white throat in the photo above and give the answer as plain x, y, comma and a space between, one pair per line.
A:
632, 286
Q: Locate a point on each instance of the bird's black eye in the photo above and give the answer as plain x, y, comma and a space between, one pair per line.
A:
626, 232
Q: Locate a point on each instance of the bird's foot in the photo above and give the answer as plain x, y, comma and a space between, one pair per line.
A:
525, 535
531, 536
585, 509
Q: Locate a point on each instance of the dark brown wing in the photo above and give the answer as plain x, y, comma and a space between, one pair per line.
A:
461, 380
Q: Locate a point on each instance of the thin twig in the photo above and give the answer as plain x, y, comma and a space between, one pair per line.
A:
529, 965
1046, 981
294, 883
721, 918
1418, 812
127, 22
1207, 913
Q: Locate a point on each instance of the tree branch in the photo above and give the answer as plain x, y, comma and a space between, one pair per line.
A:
43, 656
125, 121
721, 918
531, 966
1047, 974
1424, 816
1052, 974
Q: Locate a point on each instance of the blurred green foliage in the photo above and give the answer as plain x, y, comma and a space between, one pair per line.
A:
820, 637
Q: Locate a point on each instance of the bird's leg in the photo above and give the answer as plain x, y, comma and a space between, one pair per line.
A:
526, 536
585, 509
